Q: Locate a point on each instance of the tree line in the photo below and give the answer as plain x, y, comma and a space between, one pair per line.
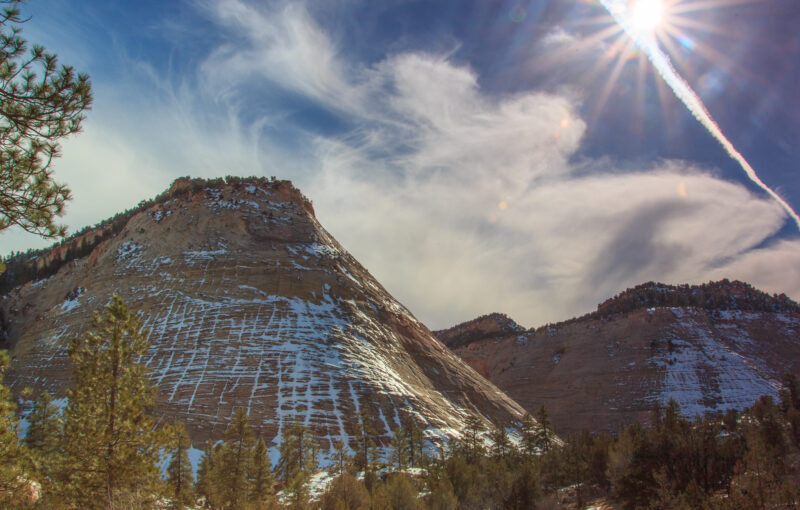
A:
104, 451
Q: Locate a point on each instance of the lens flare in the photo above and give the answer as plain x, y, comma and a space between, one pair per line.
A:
662, 64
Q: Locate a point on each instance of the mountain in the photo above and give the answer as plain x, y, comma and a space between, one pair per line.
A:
711, 347
250, 303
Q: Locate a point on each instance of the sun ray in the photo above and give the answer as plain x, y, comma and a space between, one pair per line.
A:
693, 24
710, 53
592, 41
621, 59
648, 43
681, 8
641, 78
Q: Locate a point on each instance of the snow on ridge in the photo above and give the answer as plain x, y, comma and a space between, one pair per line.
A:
703, 374
215, 201
322, 251
160, 215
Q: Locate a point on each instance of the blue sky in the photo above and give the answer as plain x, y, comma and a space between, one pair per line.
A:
482, 156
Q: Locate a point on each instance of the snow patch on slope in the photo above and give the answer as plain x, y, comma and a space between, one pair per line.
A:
703, 374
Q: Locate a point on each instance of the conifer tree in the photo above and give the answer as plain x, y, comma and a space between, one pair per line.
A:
260, 477
298, 461
237, 454
525, 489
341, 457
473, 442
545, 433
789, 392
44, 425
179, 470
13, 453
110, 443
442, 496
415, 440
36, 111
366, 454
209, 474
399, 447
345, 493
396, 492
528, 432
501, 444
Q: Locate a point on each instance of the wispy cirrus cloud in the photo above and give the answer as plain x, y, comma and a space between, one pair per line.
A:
459, 200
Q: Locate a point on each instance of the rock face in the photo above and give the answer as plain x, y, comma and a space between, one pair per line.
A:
710, 347
248, 302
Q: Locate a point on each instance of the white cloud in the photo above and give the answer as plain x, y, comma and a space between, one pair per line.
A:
460, 202
284, 46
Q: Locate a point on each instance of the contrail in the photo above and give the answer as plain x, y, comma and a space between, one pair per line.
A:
684, 92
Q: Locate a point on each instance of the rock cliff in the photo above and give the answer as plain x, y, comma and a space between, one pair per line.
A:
711, 347
250, 303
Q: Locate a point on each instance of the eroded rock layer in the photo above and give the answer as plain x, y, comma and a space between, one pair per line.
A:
711, 348
250, 302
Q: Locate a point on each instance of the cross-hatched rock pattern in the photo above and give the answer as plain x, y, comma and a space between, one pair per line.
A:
249, 302
599, 372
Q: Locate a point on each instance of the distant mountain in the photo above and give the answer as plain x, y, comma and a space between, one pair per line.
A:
711, 347
249, 303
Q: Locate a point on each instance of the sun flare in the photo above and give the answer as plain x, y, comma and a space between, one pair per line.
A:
647, 15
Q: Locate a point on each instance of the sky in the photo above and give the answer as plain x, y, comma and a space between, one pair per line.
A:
475, 156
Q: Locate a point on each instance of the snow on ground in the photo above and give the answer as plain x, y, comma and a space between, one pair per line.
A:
70, 304
703, 374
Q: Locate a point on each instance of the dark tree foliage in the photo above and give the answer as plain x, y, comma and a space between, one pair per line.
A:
40, 103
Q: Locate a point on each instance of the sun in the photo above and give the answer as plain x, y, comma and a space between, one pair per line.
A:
646, 15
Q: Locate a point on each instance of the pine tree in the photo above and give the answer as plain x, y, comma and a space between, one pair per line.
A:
237, 454
528, 432
544, 435
346, 493
441, 495
341, 457
399, 447
36, 111
208, 476
525, 489
501, 444
789, 392
260, 477
179, 471
13, 454
397, 492
110, 443
44, 425
415, 441
298, 461
366, 454
473, 440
